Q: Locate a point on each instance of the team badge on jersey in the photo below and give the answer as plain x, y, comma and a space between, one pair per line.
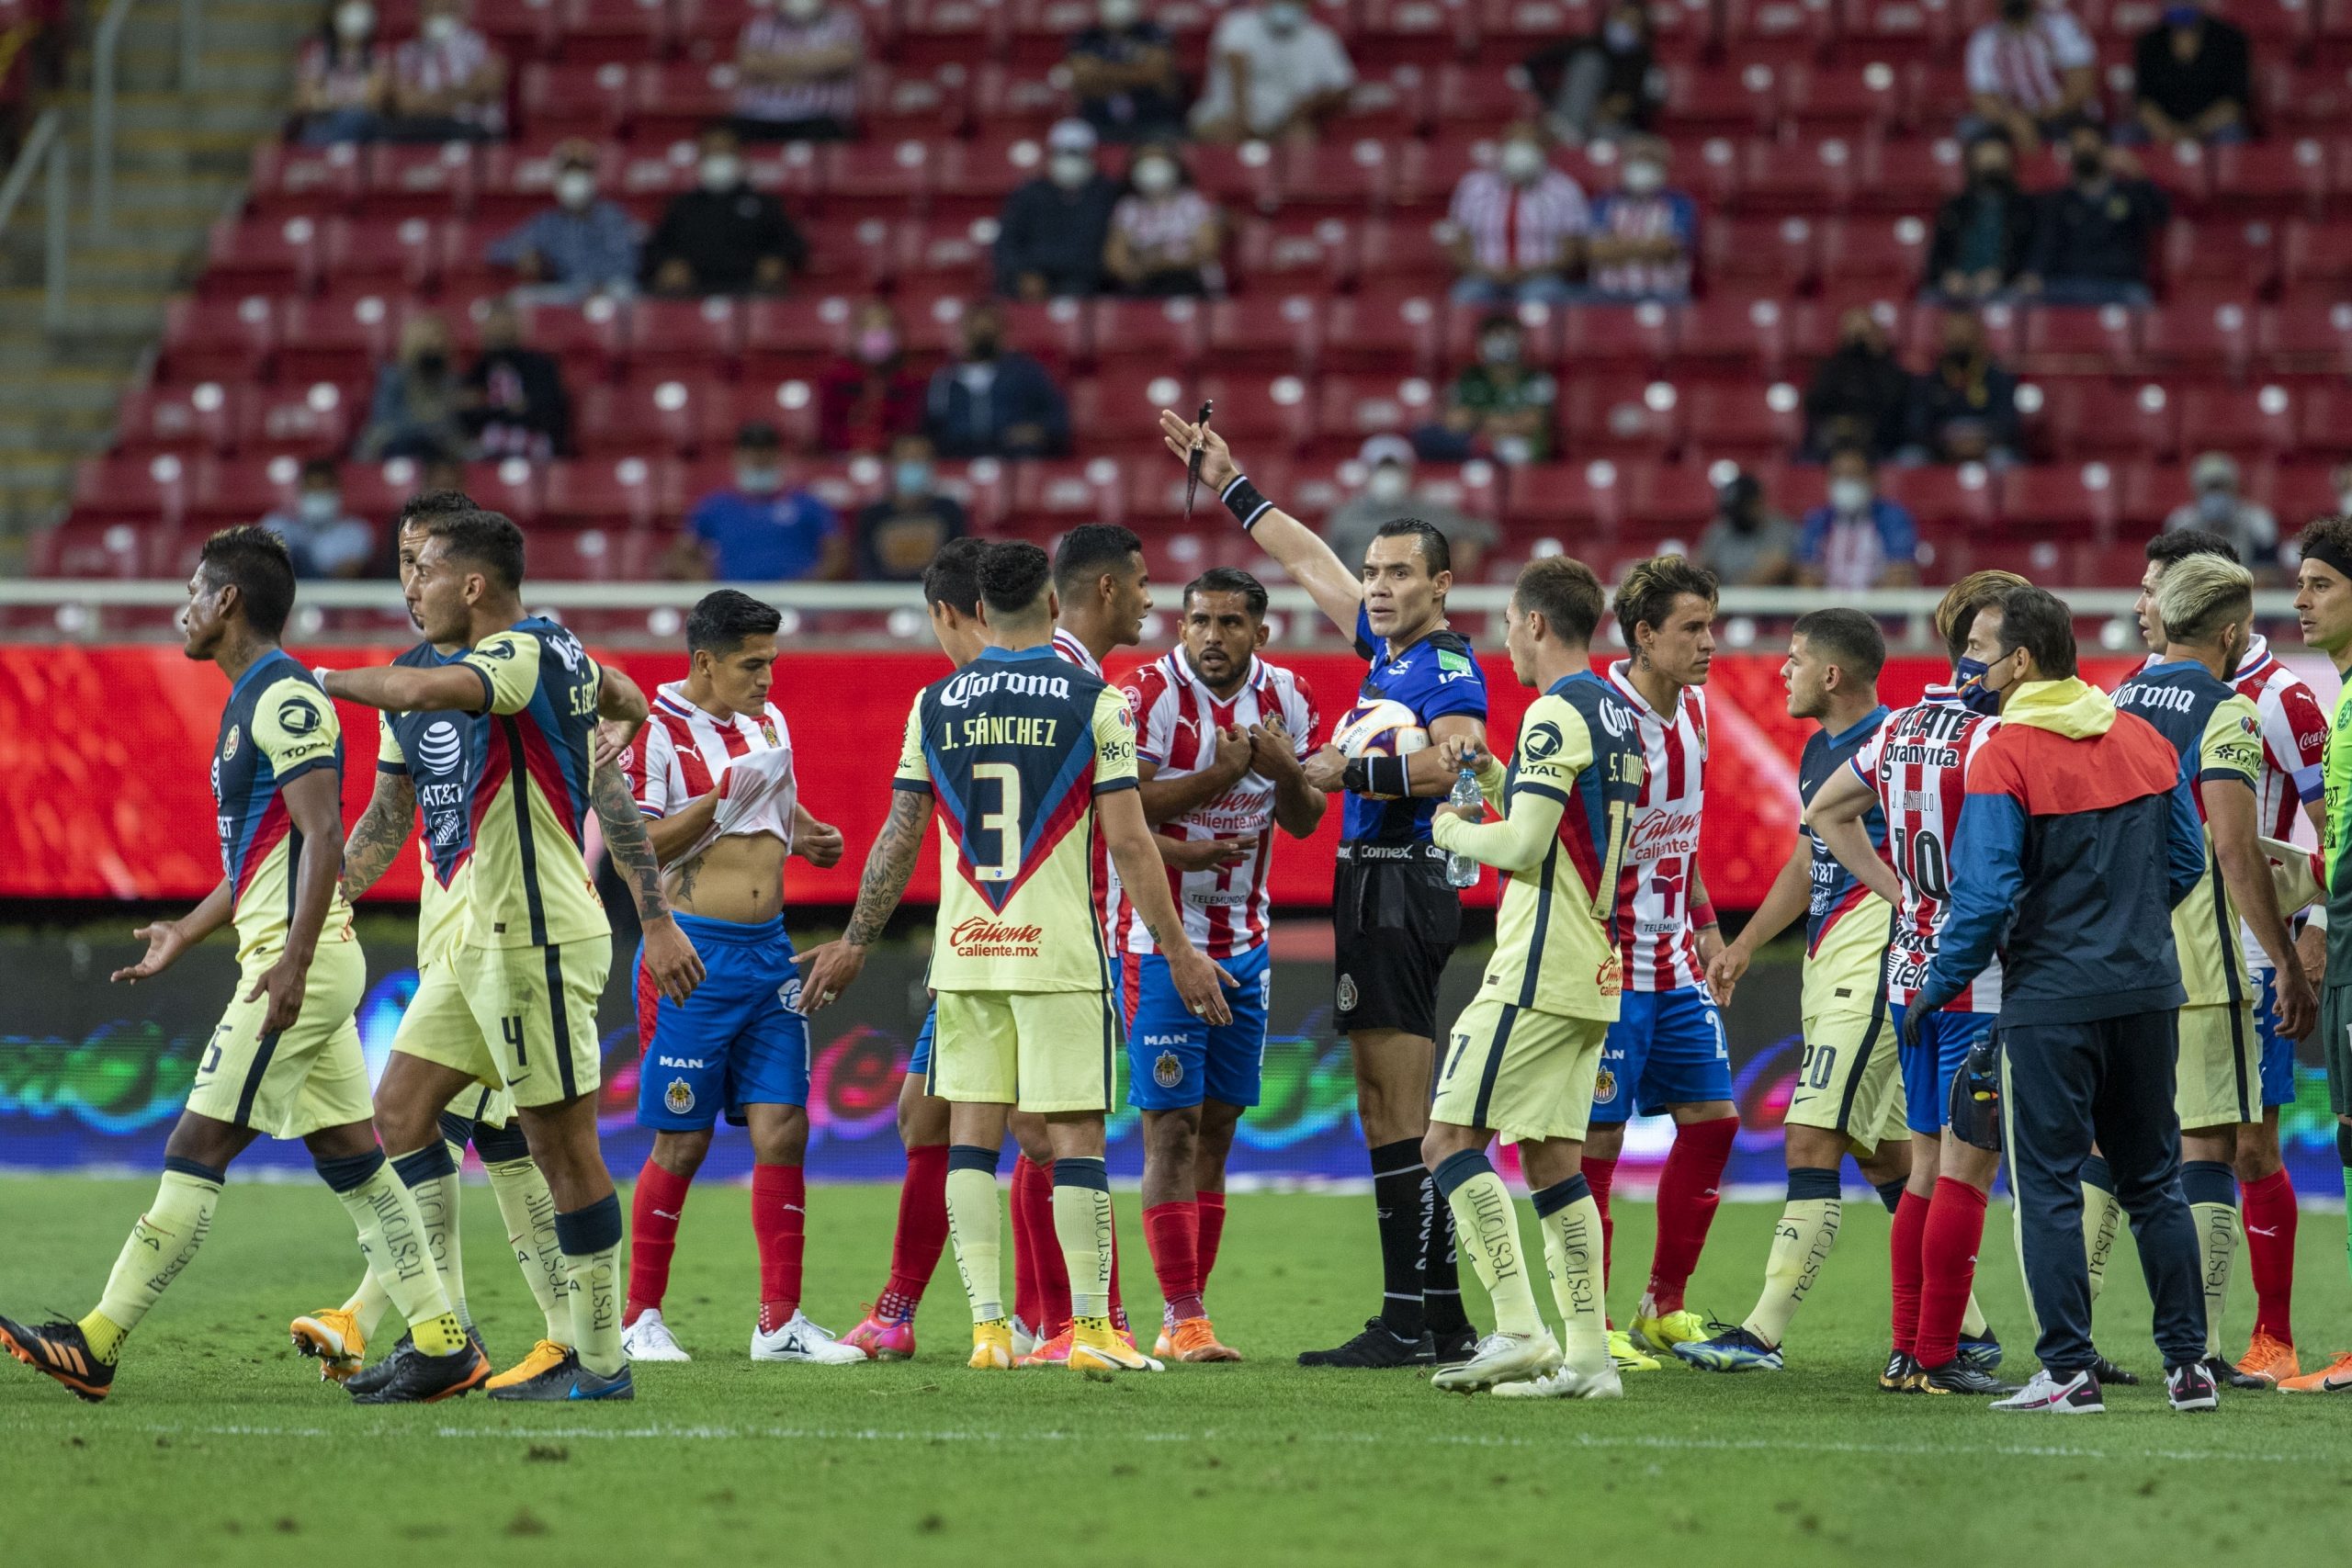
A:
229, 748
767, 732
789, 994
1347, 993
678, 1097
1167, 1072
1604, 1088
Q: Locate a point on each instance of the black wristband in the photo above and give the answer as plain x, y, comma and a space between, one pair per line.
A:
1382, 778
1241, 498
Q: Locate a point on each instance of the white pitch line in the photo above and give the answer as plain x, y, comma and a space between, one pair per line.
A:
1549, 1441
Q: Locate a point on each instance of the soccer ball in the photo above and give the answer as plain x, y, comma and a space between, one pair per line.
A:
1383, 727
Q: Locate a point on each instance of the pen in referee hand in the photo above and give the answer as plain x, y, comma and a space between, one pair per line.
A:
1200, 450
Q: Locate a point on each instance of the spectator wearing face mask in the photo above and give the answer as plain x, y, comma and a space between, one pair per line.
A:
1964, 409
869, 396
1643, 235
898, 535
343, 82
2193, 78
1860, 395
1390, 493
515, 403
2218, 508
1603, 85
581, 245
1275, 73
1498, 407
994, 402
1049, 239
1985, 233
2095, 236
1165, 235
1860, 538
798, 66
322, 537
1748, 545
724, 237
1516, 231
1123, 73
448, 83
415, 412
2032, 73
760, 530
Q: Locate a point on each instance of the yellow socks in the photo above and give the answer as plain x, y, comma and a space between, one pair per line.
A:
1485, 1227
1571, 1221
1083, 1226
528, 1209
431, 1176
159, 1246
978, 1227
2211, 1189
1801, 1238
392, 1237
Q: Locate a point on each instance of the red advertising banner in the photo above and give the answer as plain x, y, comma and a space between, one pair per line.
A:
104, 757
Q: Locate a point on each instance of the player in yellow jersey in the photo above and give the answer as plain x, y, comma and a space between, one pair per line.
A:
1522, 1058
531, 960
422, 764
285, 1060
1028, 759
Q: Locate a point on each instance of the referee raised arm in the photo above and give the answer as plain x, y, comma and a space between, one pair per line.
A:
1395, 916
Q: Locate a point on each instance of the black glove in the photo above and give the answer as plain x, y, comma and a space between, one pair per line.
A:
1976, 1095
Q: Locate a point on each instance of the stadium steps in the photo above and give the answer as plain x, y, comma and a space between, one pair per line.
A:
181, 161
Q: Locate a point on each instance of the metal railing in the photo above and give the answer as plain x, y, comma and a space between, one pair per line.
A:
106, 48
44, 146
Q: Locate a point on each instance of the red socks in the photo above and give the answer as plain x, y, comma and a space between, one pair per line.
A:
1947, 1264
1174, 1231
2270, 1213
654, 1210
1040, 1279
779, 1223
1688, 1191
922, 1233
1905, 1244
1211, 1206
1598, 1174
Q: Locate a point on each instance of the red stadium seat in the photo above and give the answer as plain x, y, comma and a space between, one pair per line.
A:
669, 100
2272, 178
1041, 30
2243, 254
1351, 174
591, 98
1842, 100
399, 253
797, 331
2319, 257
1387, 102
1941, 497
183, 419
262, 255
2326, 421
1304, 248
1353, 407
651, 414
311, 420
1562, 496
1405, 250
896, 104
590, 491
2308, 335
1392, 325
1603, 335
1484, 95
2240, 420
1024, 98
613, 31
2041, 499
947, 32
326, 338
1150, 334
692, 338
1412, 32
1744, 420
521, 29
2078, 418
1889, 254
1089, 489
1060, 333
1620, 415
313, 180
1673, 496
2060, 340
419, 181
222, 340
1265, 332
1759, 256
591, 554
147, 489
94, 546
1906, 176
1735, 99
2206, 333
1807, 178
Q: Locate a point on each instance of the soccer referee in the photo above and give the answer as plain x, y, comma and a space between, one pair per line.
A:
2066, 803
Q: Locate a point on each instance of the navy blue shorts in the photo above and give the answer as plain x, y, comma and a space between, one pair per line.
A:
736, 1042
1945, 1041
1175, 1060
1666, 1048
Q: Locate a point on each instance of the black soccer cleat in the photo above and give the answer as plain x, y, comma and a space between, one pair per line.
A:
411, 1377
1377, 1346
1456, 1348
1902, 1374
568, 1380
1956, 1376
2192, 1387
1983, 1353
2227, 1376
367, 1380
2109, 1375
60, 1350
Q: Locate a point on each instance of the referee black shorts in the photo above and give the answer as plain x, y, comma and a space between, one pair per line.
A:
1395, 920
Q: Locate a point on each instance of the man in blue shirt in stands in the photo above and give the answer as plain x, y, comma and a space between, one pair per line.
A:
758, 531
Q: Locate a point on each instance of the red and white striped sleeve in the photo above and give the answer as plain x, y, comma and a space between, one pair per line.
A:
1146, 690
652, 765
1299, 716
2294, 732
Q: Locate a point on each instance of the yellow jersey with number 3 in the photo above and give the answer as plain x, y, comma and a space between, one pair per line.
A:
1013, 748
529, 884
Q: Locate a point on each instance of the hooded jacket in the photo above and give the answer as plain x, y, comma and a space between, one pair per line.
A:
2079, 836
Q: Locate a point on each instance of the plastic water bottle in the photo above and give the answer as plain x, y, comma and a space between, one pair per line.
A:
1461, 871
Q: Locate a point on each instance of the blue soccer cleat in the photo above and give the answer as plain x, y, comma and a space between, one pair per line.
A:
1982, 1354
1730, 1349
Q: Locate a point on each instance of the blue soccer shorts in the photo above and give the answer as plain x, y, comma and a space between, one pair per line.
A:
1945, 1041
920, 1066
736, 1042
1175, 1060
2278, 1051
1666, 1048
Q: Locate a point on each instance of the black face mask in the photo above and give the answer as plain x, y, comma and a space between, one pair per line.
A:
2016, 11
432, 363
981, 349
2089, 165
1999, 178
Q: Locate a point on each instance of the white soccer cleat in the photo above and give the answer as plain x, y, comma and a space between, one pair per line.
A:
1025, 1339
649, 1339
1568, 1382
1501, 1358
801, 1340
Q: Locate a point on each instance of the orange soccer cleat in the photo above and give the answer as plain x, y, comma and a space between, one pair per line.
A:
2333, 1378
1193, 1340
2270, 1358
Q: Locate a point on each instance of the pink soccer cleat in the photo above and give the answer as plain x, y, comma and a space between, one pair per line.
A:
883, 1338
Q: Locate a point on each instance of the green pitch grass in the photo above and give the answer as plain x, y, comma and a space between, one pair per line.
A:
221, 1446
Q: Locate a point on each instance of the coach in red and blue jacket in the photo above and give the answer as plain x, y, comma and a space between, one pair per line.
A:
2079, 836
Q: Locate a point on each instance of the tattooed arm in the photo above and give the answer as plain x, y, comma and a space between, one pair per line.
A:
830, 969
376, 839
670, 958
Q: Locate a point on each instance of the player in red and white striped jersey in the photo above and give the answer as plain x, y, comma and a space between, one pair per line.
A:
1915, 770
1666, 1052
712, 774
2294, 744
1221, 739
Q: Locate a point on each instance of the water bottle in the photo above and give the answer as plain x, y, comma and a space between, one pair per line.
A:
1461, 871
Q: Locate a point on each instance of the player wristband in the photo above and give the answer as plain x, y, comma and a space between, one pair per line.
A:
1384, 776
1702, 916
1241, 498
